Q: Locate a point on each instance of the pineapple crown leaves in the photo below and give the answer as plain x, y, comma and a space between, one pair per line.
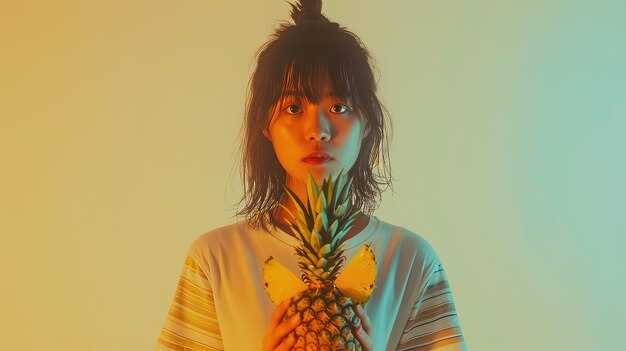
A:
312, 220
320, 251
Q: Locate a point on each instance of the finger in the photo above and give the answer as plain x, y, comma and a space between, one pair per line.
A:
278, 314
365, 319
287, 344
285, 328
364, 339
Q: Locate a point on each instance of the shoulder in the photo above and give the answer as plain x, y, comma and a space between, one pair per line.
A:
222, 235
409, 243
207, 250
218, 239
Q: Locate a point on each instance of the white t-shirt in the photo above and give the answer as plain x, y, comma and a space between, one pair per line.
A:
220, 302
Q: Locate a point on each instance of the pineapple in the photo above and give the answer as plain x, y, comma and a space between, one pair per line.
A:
324, 296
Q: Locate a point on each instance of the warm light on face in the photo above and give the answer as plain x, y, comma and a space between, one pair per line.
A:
298, 127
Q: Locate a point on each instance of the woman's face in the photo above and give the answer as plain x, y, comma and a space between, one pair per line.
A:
333, 126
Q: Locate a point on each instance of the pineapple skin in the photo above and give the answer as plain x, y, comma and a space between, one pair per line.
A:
328, 320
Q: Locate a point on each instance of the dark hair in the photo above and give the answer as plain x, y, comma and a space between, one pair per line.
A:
304, 55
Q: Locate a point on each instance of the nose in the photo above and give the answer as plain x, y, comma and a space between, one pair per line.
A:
317, 125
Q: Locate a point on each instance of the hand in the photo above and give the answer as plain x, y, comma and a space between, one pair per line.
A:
274, 339
365, 329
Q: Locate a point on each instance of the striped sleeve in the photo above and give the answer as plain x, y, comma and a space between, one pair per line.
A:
191, 322
433, 323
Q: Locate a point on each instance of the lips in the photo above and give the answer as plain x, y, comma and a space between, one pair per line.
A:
317, 155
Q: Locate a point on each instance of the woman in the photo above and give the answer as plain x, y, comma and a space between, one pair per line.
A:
312, 93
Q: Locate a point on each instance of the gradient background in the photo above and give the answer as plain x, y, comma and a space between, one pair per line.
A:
119, 133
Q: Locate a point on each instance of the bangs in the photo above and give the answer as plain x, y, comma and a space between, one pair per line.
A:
302, 71
308, 80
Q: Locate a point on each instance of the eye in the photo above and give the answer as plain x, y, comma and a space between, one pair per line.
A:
293, 109
339, 108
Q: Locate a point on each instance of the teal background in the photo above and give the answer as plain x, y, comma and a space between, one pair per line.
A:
119, 124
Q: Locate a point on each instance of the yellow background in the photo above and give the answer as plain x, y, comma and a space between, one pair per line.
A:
118, 138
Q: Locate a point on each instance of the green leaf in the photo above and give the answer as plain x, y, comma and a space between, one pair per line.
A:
315, 240
321, 262
345, 192
339, 236
294, 198
340, 210
312, 191
287, 210
324, 251
330, 193
296, 232
318, 223
324, 217
339, 183
333, 228
311, 257
337, 267
321, 203
304, 229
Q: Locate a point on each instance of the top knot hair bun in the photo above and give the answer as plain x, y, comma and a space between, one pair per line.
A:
307, 10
